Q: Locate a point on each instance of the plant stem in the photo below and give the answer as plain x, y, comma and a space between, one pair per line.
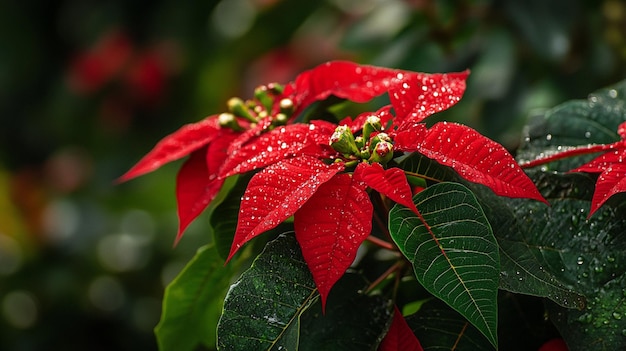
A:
382, 243
394, 268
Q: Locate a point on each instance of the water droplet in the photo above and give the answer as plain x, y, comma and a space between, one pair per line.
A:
617, 315
549, 137
580, 260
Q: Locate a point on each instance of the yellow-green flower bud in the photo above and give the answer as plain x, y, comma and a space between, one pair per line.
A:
237, 107
228, 120
383, 152
280, 119
286, 106
372, 124
342, 140
378, 138
263, 95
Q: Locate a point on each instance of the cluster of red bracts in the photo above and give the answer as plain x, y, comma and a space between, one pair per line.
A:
320, 172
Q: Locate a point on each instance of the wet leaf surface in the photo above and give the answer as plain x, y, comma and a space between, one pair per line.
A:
475, 157
391, 182
278, 144
453, 251
353, 321
263, 307
331, 226
575, 123
276, 193
275, 306
416, 96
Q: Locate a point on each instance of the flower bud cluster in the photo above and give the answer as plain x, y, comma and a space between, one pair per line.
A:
372, 145
261, 107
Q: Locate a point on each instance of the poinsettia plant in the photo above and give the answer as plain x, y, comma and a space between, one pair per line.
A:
373, 217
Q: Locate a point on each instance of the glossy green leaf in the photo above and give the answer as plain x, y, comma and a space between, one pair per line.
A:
592, 255
575, 123
191, 306
527, 266
262, 308
602, 326
453, 251
352, 321
438, 327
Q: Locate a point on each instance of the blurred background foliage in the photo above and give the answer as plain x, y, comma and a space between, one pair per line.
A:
87, 87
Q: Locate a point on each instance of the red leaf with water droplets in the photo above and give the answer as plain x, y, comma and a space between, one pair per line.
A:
474, 157
347, 80
391, 182
278, 144
612, 178
276, 193
419, 95
194, 190
197, 183
249, 134
181, 143
331, 226
400, 337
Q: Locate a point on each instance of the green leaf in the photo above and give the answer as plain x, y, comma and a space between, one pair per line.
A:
223, 216
353, 321
601, 326
526, 266
592, 255
275, 306
453, 251
525, 271
438, 327
422, 165
575, 123
262, 308
191, 306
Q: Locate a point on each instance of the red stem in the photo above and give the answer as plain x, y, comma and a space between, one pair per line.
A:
382, 243
569, 153
396, 267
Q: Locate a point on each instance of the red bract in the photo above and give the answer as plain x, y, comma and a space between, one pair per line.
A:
276, 193
251, 149
273, 146
475, 157
611, 165
331, 226
347, 80
319, 172
417, 96
400, 337
176, 145
612, 178
391, 182
428, 93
